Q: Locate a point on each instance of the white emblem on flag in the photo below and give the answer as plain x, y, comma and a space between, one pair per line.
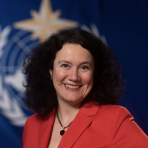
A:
45, 22
94, 30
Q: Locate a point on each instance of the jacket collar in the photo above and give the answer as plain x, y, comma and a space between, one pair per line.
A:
80, 123
89, 109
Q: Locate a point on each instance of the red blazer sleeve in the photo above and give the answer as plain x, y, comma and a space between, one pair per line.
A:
30, 132
125, 132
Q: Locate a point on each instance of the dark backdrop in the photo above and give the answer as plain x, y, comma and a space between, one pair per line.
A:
123, 25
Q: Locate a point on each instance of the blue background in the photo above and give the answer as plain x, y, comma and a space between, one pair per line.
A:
124, 24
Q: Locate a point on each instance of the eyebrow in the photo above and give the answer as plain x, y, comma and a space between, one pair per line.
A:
64, 61
85, 62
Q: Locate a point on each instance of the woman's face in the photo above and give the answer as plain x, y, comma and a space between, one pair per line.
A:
72, 73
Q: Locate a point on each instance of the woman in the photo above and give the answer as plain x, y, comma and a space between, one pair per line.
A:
74, 83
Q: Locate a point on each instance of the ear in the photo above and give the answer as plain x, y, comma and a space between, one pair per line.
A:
50, 71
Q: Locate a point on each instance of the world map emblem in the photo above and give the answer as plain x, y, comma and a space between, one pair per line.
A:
15, 48
12, 92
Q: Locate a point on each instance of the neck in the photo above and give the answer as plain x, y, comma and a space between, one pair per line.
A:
67, 112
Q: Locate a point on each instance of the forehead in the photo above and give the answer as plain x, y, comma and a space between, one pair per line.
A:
74, 52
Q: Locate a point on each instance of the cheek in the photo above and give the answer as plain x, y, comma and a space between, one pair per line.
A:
88, 79
58, 75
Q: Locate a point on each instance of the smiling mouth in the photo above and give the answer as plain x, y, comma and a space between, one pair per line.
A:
72, 86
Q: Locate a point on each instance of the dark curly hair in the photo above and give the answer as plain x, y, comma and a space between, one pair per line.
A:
108, 84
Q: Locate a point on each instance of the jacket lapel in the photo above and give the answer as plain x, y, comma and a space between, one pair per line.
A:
81, 122
46, 130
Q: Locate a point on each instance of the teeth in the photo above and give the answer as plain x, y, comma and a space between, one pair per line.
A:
73, 87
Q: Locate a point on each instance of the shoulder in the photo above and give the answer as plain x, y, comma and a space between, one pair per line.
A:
37, 118
114, 111
34, 118
33, 121
107, 112
118, 125
113, 108
113, 116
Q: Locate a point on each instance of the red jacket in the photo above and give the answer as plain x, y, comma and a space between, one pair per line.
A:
107, 126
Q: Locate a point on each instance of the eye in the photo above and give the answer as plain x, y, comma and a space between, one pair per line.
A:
65, 65
84, 67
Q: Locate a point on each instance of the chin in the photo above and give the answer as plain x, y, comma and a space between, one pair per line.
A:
73, 101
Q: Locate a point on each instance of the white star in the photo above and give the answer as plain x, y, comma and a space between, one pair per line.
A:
45, 22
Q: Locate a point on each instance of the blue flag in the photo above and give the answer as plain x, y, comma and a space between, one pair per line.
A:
123, 25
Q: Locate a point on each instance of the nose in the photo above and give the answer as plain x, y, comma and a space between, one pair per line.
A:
73, 75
